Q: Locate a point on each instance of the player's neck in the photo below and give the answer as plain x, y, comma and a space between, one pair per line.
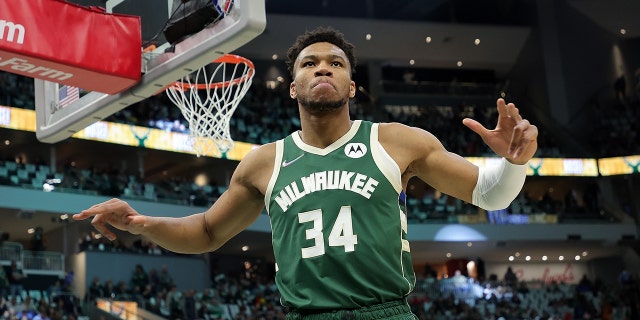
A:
322, 130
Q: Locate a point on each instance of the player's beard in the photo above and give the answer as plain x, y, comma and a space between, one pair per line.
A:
322, 105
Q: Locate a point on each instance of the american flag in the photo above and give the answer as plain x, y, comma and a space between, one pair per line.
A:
67, 95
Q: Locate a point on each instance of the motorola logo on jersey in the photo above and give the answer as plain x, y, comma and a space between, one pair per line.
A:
355, 150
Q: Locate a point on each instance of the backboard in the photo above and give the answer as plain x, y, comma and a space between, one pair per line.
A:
245, 21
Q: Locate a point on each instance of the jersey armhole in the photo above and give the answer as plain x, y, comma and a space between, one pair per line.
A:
274, 175
383, 160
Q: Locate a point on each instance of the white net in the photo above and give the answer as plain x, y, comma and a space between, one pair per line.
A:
207, 99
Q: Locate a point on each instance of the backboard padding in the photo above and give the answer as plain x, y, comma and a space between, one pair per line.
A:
246, 20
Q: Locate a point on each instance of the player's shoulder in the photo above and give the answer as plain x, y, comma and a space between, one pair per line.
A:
255, 169
399, 131
405, 136
393, 126
259, 154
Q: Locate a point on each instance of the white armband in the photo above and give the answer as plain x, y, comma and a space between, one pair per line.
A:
497, 186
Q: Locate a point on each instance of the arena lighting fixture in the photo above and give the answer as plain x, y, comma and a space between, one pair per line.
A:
476, 41
274, 57
577, 258
511, 258
469, 244
528, 258
561, 258
585, 253
459, 64
544, 258
368, 36
7, 142
623, 31
245, 248
458, 233
448, 254
428, 39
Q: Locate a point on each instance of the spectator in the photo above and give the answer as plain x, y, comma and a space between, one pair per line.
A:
510, 278
154, 280
55, 289
4, 283
190, 305
620, 87
68, 281
95, 289
16, 276
109, 289
165, 278
140, 277
37, 241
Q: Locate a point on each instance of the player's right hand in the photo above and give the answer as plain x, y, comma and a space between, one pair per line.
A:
116, 213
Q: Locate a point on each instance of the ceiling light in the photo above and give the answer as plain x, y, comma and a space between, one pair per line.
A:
459, 64
412, 62
368, 36
448, 254
7, 142
544, 258
623, 31
511, 258
561, 258
245, 248
527, 258
274, 57
577, 257
585, 253
428, 39
476, 41
469, 244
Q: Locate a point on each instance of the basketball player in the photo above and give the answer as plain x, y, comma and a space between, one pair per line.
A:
334, 193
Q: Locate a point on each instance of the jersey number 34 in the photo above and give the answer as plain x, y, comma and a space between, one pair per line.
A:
341, 233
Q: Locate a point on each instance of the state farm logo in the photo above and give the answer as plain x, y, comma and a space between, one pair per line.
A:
11, 32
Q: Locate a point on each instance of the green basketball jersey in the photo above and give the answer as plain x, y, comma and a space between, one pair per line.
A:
339, 230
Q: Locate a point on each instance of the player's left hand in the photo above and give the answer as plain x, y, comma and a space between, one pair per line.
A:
513, 138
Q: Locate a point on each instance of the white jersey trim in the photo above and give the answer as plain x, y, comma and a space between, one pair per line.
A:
276, 172
383, 160
335, 145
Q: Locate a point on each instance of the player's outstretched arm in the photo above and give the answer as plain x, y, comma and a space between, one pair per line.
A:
235, 210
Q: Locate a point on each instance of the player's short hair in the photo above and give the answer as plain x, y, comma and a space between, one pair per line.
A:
321, 34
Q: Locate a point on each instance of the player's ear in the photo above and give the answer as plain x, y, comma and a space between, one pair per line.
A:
292, 90
352, 89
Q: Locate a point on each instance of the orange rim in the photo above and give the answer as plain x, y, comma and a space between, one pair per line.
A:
226, 58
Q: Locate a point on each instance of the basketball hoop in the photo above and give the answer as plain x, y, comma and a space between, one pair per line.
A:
207, 99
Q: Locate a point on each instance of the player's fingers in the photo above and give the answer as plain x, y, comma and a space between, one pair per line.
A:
513, 112
99, 223
528, 139
94, 210
475, 126
502, 107
516, 137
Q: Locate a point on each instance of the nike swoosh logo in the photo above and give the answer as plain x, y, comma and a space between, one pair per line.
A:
285, 163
